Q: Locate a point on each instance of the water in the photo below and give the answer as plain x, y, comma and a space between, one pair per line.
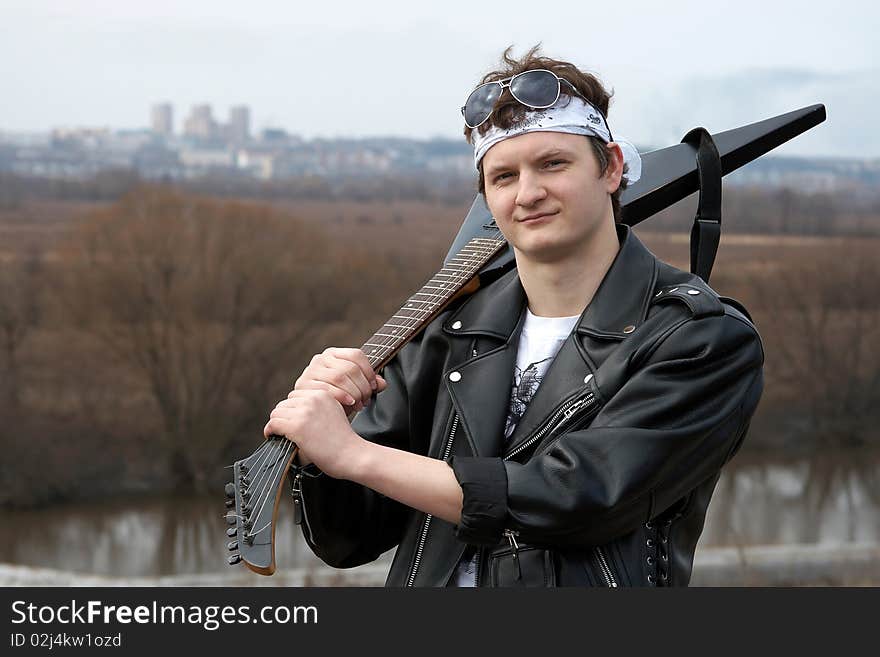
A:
824, 500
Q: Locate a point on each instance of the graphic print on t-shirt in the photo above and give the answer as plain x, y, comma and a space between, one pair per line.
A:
525, 384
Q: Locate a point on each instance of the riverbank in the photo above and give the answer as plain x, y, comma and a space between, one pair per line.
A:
851, 564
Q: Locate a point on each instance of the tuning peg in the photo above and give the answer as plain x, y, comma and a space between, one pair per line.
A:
234, 559
232, 546
230, 504
230, 519
231, 532
230, 490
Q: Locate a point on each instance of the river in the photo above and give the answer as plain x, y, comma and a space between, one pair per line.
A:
827, 500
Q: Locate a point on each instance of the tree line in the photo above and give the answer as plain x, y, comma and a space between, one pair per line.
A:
144, 350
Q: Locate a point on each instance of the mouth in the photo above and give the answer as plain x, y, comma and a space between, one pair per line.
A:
536, 217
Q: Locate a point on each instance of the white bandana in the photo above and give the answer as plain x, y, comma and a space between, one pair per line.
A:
571, 115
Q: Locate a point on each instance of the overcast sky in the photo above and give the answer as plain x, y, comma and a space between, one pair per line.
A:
385, 67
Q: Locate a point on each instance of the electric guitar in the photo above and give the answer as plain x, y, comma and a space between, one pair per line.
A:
479, 255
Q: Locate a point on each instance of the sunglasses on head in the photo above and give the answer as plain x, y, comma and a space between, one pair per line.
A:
537, 88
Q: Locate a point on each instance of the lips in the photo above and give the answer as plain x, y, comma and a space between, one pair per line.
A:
536, 216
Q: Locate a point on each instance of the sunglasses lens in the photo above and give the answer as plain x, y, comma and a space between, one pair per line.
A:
535, 88
480, 103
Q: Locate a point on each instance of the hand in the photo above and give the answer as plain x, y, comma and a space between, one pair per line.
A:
346, 374
315, 421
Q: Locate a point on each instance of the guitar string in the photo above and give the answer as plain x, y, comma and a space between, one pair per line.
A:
278, 468
264, 475
264, 449
387, 343
258, 468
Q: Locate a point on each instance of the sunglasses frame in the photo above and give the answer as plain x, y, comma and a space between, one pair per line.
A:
506, 84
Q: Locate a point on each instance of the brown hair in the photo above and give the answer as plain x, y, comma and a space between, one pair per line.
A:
508, 112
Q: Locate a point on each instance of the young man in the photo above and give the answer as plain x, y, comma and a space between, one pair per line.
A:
633, 382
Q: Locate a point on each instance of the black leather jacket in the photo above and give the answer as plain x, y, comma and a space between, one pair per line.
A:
607, 476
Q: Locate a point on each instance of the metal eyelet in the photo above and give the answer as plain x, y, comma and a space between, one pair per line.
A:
650, 560
648, 525
663, 575
664, 557
649, 543
650, 579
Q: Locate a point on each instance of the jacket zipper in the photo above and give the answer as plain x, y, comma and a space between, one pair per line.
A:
603, 566
299, 505
426, 526
567, 410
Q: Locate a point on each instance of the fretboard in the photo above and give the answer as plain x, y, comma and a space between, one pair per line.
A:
434, 295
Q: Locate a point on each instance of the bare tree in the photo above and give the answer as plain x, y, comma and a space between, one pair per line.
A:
820, 319
208, 303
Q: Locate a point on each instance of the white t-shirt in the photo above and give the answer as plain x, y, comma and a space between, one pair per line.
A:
540, 341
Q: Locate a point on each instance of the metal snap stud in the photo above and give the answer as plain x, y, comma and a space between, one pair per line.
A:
629, 329
673, 289
455, 376
693, 291
587, 378
456, 325
659, 293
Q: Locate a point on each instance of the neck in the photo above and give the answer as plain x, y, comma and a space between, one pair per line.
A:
565, 287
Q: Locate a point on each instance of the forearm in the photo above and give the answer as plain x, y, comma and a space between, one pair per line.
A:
419, 482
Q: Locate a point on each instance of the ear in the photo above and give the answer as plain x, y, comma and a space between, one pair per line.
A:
614, 172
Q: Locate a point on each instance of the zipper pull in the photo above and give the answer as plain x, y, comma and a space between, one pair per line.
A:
297, 498
511, 536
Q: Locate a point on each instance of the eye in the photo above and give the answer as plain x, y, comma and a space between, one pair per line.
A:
502, 177
553, 163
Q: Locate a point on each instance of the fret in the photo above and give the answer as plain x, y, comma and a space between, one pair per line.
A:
436, 292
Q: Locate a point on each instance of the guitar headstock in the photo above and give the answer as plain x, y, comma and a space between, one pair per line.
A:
252, 504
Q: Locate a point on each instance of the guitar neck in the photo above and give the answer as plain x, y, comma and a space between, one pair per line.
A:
457, 278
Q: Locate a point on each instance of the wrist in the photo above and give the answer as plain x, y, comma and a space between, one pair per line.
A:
359, 462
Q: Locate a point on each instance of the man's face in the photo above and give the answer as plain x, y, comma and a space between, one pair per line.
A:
544, 190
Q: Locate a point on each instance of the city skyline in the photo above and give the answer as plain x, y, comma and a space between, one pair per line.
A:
396, 69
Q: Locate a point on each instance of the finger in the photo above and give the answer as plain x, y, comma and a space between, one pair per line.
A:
362, 388
339, 394
359, 358
382, 384
280, 427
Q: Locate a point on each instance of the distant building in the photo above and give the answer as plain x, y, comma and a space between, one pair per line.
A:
162, 119
200, 123
239, 127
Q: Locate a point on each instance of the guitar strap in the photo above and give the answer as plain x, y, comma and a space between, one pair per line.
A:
706, 231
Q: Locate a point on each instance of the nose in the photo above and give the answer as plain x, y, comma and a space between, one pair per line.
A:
530, 190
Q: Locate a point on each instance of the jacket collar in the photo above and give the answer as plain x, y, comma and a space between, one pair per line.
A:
620, 302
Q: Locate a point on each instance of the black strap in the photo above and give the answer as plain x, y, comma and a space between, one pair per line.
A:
706, 231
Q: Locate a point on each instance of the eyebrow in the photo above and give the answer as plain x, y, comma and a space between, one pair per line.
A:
542, 155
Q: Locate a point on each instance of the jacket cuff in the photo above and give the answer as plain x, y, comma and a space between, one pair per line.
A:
484, 509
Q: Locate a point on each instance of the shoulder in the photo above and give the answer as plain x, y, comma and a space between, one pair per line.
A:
702, 317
